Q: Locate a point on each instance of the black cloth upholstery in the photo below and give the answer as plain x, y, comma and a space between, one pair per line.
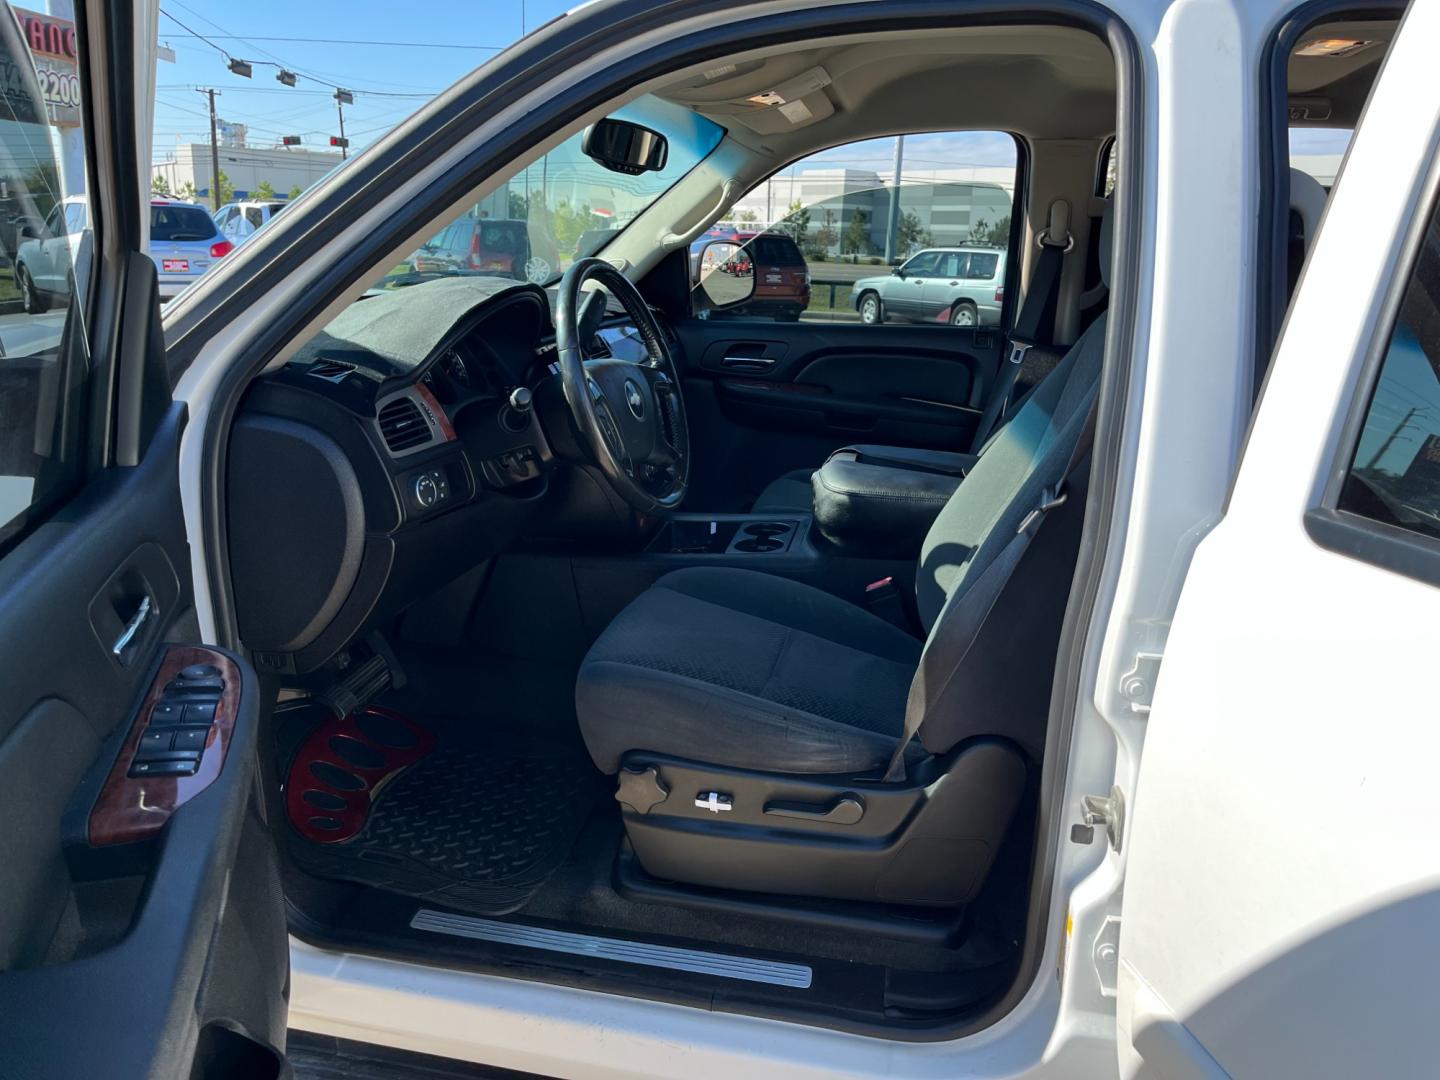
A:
790, 494
743, 669
748, 669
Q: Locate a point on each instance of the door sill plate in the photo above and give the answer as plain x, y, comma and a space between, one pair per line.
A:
721, 965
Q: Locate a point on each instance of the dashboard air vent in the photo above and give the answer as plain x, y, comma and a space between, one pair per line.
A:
330, 370
402, 425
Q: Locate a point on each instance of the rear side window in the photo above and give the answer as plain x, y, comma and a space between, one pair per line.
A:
775, 251
982, 266
177, 223
1394, 474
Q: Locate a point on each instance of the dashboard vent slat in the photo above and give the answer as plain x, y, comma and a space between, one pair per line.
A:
330, 370
403, 426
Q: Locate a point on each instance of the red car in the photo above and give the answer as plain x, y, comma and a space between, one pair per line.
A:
782, 280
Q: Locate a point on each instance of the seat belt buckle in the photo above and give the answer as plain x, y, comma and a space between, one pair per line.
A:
883, 598
1018, 349
1049, 500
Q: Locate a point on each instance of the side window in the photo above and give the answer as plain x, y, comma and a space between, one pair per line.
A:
254, 216
1394, 474
921, 264
874, 232
983, 266
45, 257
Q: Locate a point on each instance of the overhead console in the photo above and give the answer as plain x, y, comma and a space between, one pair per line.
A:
398, 449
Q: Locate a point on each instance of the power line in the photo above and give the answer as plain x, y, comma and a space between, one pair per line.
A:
353, 41
274, 61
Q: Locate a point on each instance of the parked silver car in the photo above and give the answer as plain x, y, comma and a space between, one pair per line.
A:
184, 243
962, 286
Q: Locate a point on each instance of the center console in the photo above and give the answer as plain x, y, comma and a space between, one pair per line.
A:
732, 534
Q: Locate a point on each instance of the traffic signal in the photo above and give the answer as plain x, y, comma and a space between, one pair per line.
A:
290, 140
336, 140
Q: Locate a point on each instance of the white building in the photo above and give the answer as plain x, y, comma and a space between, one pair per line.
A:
246, 168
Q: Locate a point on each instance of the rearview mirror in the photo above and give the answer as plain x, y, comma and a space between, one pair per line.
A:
726, 273
624, 147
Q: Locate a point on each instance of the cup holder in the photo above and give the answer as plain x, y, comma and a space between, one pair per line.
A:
767, 529
759, 544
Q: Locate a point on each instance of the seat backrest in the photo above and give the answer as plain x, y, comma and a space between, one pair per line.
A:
962, 581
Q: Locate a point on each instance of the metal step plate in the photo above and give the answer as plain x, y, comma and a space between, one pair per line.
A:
747, 968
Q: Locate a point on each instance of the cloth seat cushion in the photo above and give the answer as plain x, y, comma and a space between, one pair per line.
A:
746, 669
789, 494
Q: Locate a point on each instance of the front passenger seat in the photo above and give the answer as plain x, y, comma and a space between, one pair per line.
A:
761, 728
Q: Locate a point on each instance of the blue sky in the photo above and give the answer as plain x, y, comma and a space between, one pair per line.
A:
418, 51
393, 64
395, 61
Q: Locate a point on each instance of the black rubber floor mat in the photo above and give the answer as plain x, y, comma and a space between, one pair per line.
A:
470, 827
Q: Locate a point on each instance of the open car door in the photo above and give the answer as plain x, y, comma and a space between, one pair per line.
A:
1282, 879
141, 923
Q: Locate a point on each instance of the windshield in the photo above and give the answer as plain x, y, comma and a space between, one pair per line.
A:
558, 209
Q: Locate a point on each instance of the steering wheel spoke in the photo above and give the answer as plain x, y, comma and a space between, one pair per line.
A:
630, 416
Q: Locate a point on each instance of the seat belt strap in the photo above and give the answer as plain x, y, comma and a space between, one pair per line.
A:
992, 582
1044, 286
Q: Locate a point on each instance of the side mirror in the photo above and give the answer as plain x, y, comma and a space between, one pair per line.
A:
31, 231
898, 271
624, 147
726, 273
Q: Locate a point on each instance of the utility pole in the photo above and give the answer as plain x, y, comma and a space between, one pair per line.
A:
343, 98
892, 228
214, 151
1390, 439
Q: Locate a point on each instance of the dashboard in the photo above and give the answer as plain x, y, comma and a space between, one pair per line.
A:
399, 448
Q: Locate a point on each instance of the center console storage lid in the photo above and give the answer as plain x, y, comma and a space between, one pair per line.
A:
880, 501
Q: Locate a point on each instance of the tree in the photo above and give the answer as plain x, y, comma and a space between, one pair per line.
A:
857, 235
224, 187
159, 185
568, 222
296, 192
187, 190
912, 234
747, 217
797, 222
997, 235
519, 206
263, 190
826, 237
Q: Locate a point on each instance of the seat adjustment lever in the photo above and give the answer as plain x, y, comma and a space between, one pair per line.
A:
848, 810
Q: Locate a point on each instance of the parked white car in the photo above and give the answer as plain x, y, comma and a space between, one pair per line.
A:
239, 220
45, 258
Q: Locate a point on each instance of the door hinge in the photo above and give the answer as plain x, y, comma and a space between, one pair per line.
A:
1101, 810
1137, 685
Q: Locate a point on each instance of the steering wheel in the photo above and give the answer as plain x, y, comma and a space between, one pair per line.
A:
631, 417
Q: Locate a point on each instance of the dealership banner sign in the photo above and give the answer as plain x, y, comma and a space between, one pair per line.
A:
56, 54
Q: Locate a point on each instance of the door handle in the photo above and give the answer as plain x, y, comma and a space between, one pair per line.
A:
132, 628
848, 810
752, 363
